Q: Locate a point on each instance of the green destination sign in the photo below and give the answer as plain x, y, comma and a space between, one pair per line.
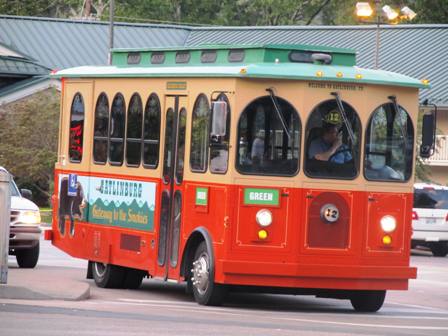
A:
261, 196
201, 196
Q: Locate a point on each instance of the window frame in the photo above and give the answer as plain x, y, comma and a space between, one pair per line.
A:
412, 171
207, 145
358, 165
151, 141
181, 114
107, 135
300, 129
134, 140
114, 163
228, 129
70, 127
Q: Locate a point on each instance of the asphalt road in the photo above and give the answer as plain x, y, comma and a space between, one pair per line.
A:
164, 309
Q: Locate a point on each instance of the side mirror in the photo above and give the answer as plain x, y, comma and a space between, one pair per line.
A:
219, 121
428, 134
26, 193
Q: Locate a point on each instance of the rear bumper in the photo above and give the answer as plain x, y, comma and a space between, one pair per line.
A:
23, 237
317, 276
429, 236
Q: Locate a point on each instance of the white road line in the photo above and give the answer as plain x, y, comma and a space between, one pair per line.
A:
432, 309
174, 306
161, 302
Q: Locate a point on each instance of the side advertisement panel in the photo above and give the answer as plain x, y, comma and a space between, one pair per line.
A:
106, 201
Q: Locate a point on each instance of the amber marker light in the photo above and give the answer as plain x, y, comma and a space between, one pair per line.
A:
262, 234
319, 73
339, 75
358, 76
243, 71
387, 240
425, 81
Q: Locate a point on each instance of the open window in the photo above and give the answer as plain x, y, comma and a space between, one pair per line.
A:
332, 141
389, 145
269, 138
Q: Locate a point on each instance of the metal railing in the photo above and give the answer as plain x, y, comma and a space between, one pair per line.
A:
440, 156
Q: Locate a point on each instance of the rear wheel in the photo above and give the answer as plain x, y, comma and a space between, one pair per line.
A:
205, 290
440, 249
107, 275
133, 278
28, 258
368, 301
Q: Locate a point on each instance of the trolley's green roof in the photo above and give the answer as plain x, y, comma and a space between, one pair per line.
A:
295, 62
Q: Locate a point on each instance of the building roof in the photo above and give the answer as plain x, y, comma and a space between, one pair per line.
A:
418, 51
59, 44
20, 67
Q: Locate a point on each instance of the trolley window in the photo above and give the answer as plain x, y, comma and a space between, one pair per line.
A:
116, 130
181, 130
151, 132
199, 134
269, 138
134, 131
332, 141
101, 128
219, 147
76, 128
389, 145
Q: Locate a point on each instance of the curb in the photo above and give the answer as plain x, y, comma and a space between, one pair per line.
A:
22, 293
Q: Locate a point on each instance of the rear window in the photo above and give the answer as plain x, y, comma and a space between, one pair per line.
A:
430, 199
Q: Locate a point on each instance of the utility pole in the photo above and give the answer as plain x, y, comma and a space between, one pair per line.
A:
378, 31
111, 30
5, 216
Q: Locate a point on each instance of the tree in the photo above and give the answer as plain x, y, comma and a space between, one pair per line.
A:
29, 133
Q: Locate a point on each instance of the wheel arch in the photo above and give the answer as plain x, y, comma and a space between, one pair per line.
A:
196, 237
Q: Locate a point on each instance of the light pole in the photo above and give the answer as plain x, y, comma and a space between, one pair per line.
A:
364, 10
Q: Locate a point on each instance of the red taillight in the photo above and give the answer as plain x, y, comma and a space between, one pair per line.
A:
446, 217
48, 234
415, 216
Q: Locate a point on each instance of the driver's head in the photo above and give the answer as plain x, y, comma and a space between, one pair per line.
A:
330, 133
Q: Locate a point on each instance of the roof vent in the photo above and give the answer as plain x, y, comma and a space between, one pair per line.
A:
321, 58
134, 58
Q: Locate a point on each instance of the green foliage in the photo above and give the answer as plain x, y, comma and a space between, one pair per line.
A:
47, 8
222, 12
30, 127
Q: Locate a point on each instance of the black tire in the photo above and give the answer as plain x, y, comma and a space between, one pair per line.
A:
205, 290
368, 301
28, 258
107, 275
440, 249
133, 278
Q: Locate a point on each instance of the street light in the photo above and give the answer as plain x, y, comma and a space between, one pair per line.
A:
364, 10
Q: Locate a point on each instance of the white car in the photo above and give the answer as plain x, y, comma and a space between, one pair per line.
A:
430, 218
24, 230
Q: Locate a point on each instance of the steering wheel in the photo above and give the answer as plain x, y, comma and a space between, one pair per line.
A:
339, 151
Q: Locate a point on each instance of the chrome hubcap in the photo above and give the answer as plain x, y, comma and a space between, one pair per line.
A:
200, 272
100, 268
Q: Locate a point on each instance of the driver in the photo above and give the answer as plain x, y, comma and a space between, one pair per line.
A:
329, 146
